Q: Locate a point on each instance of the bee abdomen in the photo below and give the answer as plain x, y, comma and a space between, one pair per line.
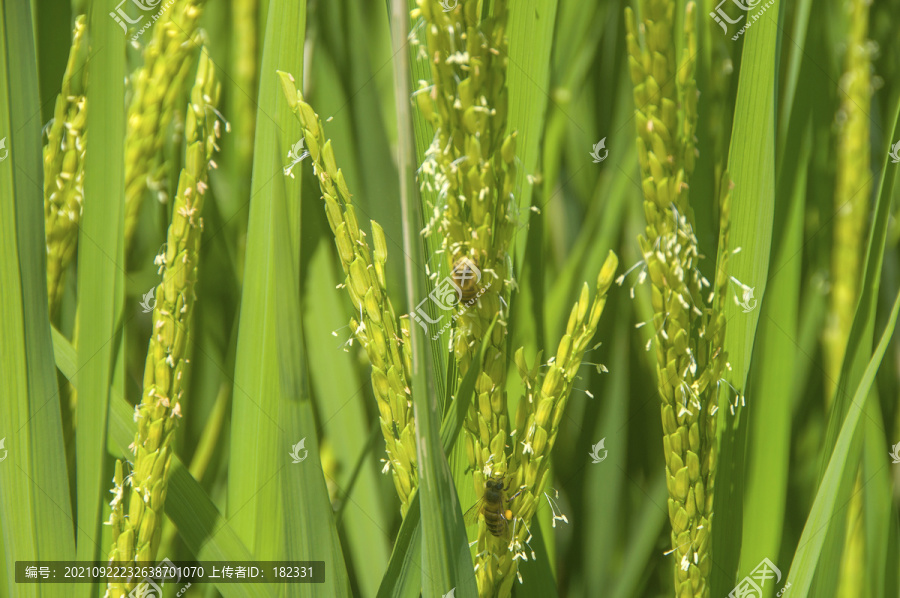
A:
494, 522
466, 276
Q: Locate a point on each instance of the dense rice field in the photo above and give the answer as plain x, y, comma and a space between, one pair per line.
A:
453, 299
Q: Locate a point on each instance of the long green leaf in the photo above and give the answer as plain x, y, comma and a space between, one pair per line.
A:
34, 494
877, 504
305, 494
632, 578
259, 440
774, 359
101, 263
823, 511
855, 359
751, 164
341, 403
531, 24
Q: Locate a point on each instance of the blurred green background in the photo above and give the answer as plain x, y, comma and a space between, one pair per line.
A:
569, 88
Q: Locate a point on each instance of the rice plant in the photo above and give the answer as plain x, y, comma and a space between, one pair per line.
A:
450, 298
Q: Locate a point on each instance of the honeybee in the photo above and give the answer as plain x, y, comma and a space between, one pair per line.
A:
466, 276
492, 505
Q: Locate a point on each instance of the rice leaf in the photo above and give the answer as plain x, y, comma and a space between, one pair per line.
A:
531, 25
877, 505
341, 403
855, 358
538, 578
101, 265
792, 77
632, 579
821, 517
259, 439
305, 496
774, 360
751, 165
604, 523
34, 492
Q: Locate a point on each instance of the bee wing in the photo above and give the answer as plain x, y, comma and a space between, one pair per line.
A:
471, 516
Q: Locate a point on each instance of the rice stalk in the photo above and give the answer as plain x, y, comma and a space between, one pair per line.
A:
537, 426
158, 86
377, 328
136, 531
243, 56
64, 167
470, 165
720, 69
689, 326
64, 195
852, 189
